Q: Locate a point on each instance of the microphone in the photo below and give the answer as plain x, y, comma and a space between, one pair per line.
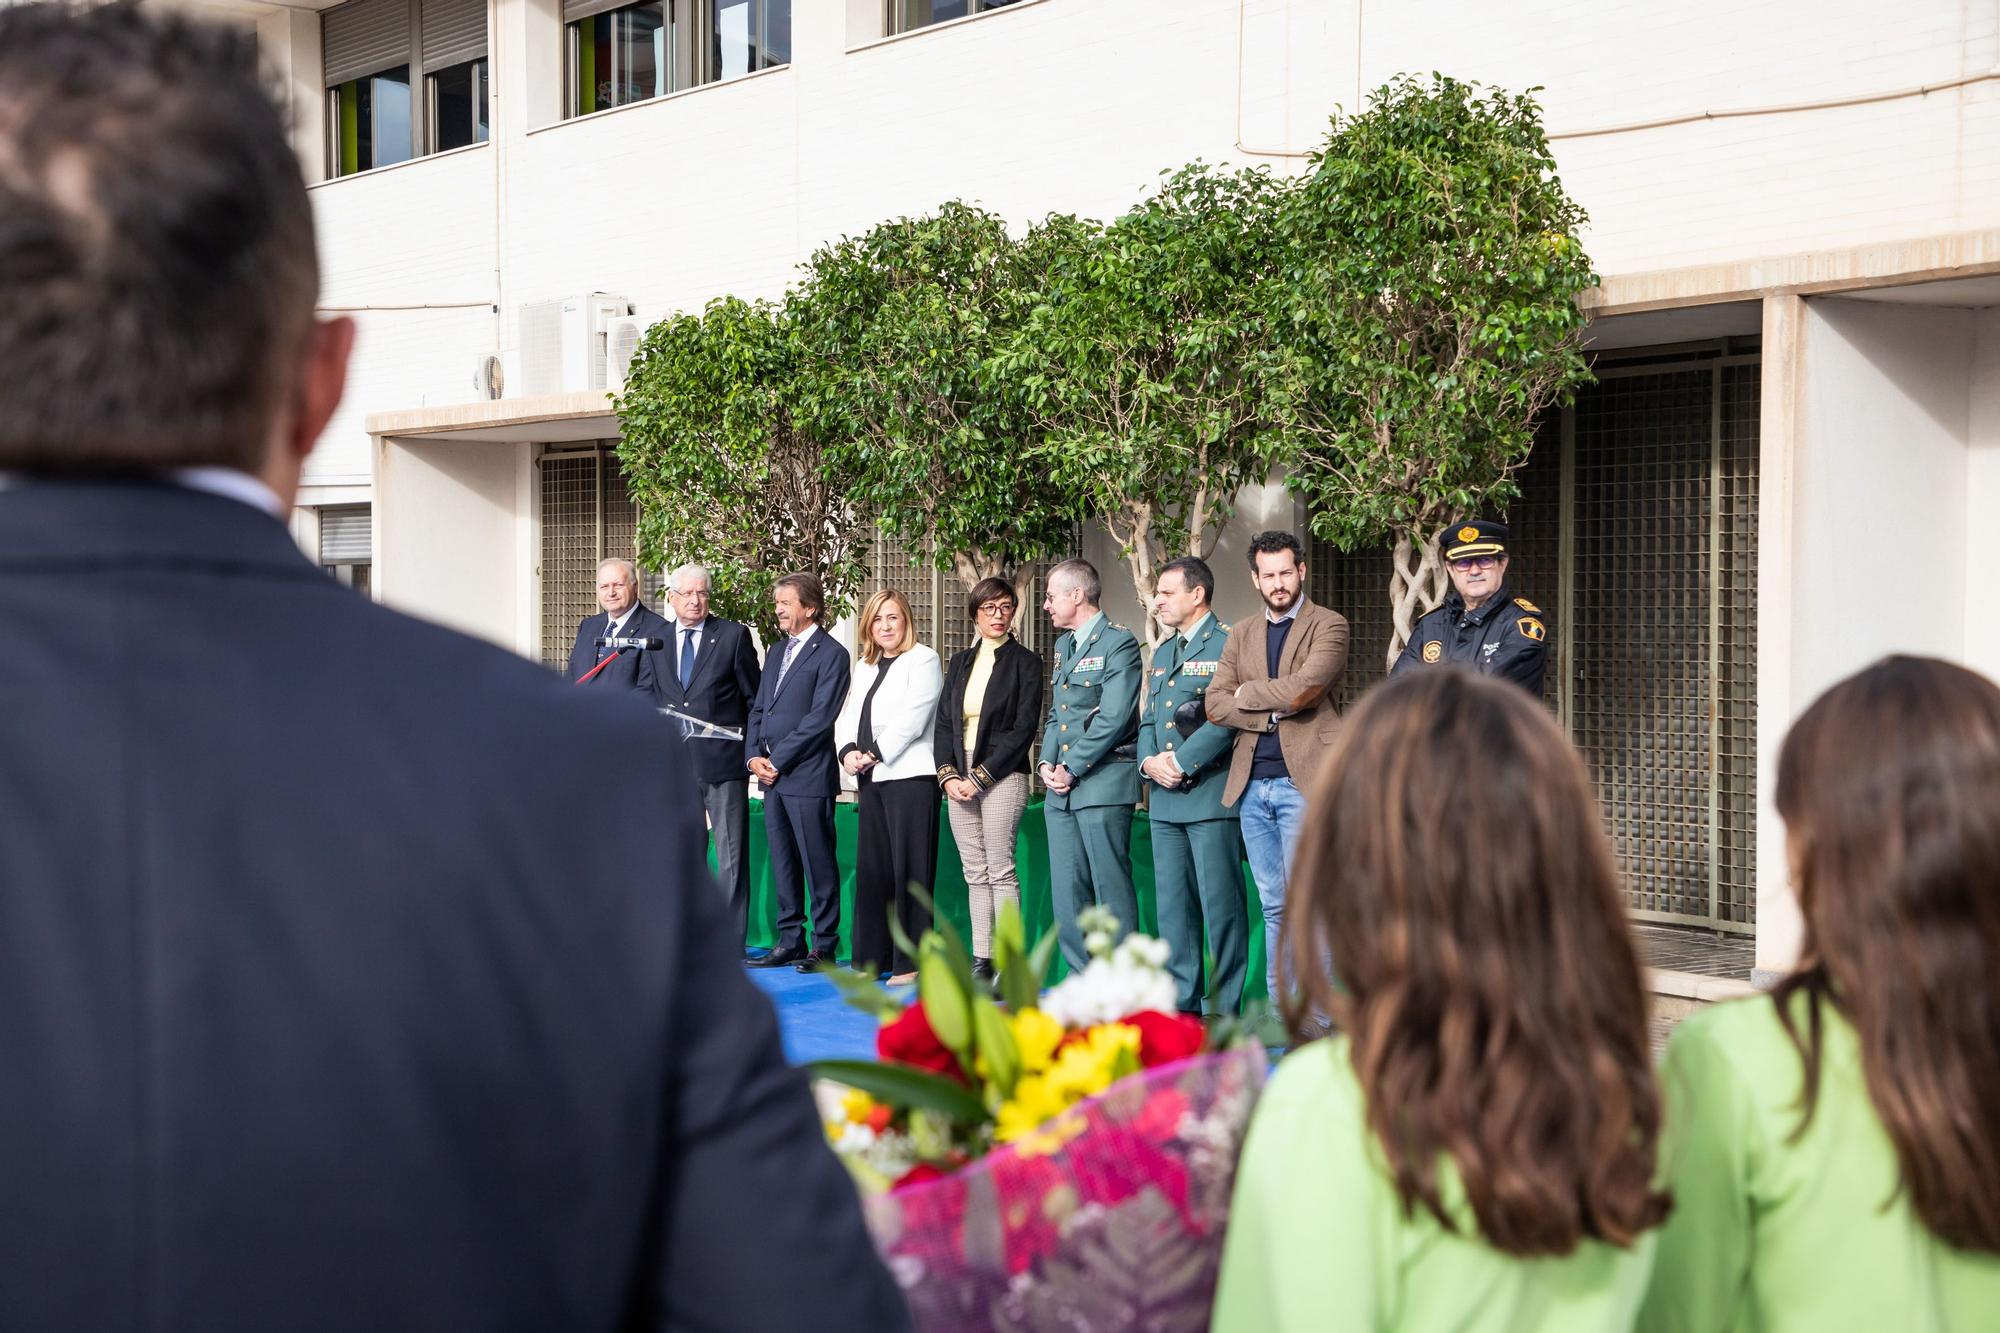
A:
642, 644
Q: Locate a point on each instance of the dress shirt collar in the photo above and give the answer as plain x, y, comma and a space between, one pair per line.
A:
1192, 632
223, 481
1082, 632
1292, 614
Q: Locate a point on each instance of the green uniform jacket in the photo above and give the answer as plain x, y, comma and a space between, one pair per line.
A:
1093, 710
1318, 1239
1777, 1232
1182, 669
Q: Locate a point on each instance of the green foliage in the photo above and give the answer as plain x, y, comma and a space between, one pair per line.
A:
1142, 362
897, 325
905, 1085
1427, 303
724, 468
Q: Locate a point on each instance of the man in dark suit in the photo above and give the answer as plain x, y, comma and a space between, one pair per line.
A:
789, 744
354, 974
713, 675
624, 617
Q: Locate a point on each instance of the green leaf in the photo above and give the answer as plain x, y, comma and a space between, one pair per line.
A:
996, 1045
861, 992
945, 991
902, 1085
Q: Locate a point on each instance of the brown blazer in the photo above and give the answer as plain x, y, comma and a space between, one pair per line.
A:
1309, 667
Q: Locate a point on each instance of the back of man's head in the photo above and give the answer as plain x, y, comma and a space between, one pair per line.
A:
157, 269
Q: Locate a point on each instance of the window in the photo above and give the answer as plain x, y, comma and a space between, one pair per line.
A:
458, 106
624, 53
379, 56
749, 35
346, 545
622, 56
371, 121
909, 15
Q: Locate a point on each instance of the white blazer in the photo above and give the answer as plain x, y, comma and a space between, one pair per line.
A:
904, 715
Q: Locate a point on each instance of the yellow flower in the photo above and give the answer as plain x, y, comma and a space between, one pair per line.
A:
1037, 1036
1034, 1101
856, 1104
1085, 1068
1082, 1069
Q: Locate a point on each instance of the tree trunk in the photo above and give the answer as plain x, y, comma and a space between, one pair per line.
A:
1139, 560
1417, 581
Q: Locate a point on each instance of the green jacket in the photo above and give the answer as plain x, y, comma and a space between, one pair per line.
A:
1093, 705
1181, 672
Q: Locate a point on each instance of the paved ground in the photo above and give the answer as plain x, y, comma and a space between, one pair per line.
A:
817, 1023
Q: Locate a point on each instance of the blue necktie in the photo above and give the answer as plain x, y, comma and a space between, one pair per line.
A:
687, 657
784, 664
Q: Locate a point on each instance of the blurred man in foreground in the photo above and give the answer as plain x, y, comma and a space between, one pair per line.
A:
424, 1018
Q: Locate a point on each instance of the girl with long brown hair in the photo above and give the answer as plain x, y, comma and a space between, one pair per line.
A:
1475, 1150
1835, 1146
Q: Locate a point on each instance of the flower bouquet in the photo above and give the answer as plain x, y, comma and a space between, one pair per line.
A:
1048, 1161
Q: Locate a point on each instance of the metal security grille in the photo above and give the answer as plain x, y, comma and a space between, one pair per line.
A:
937, 601
1636, 528
586, 516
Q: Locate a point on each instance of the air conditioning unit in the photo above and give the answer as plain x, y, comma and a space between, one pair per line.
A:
623, 346
566, 344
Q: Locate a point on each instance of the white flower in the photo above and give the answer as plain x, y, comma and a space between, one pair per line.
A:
854, 1139
1131, 979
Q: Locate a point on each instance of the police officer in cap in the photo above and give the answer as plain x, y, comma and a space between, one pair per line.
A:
1481, 624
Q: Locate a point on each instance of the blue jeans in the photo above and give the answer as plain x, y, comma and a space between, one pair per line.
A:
1272, 811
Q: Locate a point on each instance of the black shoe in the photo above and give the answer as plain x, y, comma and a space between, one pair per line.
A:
982, 969
779, 957
811, 962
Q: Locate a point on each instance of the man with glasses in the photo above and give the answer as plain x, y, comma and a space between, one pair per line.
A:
1481, 625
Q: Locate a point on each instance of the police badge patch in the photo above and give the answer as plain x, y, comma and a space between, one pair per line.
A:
1433, 651
1532, 628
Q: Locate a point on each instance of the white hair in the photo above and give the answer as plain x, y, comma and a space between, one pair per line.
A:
689, 571
631, 570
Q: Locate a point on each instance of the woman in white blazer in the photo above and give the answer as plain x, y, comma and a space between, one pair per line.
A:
884, 738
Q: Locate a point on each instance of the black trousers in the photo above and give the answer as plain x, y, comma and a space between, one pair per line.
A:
798, 832
898, 841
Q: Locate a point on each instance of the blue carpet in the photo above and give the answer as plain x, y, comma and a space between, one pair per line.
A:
817, 1024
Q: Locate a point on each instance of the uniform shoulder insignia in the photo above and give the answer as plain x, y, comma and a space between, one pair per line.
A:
1532, 628
1527, 606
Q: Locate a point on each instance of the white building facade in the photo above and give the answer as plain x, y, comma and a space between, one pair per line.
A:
1795, 208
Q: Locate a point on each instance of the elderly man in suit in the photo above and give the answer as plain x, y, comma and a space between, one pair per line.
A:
1197, 850
1278, 685
789, 745
713, 675
1089, 768
437, 1030
599, 666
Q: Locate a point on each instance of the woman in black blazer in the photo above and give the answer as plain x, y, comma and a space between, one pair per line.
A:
993, 699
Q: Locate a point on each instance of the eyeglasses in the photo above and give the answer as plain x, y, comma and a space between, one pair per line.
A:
1472, 562
996, 609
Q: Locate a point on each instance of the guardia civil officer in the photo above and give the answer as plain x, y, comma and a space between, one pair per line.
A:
1481, 625
1089, 765
1197, 844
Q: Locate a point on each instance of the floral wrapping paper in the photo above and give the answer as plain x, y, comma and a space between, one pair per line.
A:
1108, 1217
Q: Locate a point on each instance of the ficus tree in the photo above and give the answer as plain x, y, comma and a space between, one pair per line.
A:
895, 328
1142, 365
724, 470
1427, 299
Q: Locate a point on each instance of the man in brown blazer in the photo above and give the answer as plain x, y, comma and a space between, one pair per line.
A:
1276, 685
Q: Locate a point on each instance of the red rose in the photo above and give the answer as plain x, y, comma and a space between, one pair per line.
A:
1165, 1038
918, 1175
910, 1041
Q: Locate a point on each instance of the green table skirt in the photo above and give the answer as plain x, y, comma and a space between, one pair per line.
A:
1031, 853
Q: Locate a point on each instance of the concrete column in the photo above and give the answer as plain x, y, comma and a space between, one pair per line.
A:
1779, 927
